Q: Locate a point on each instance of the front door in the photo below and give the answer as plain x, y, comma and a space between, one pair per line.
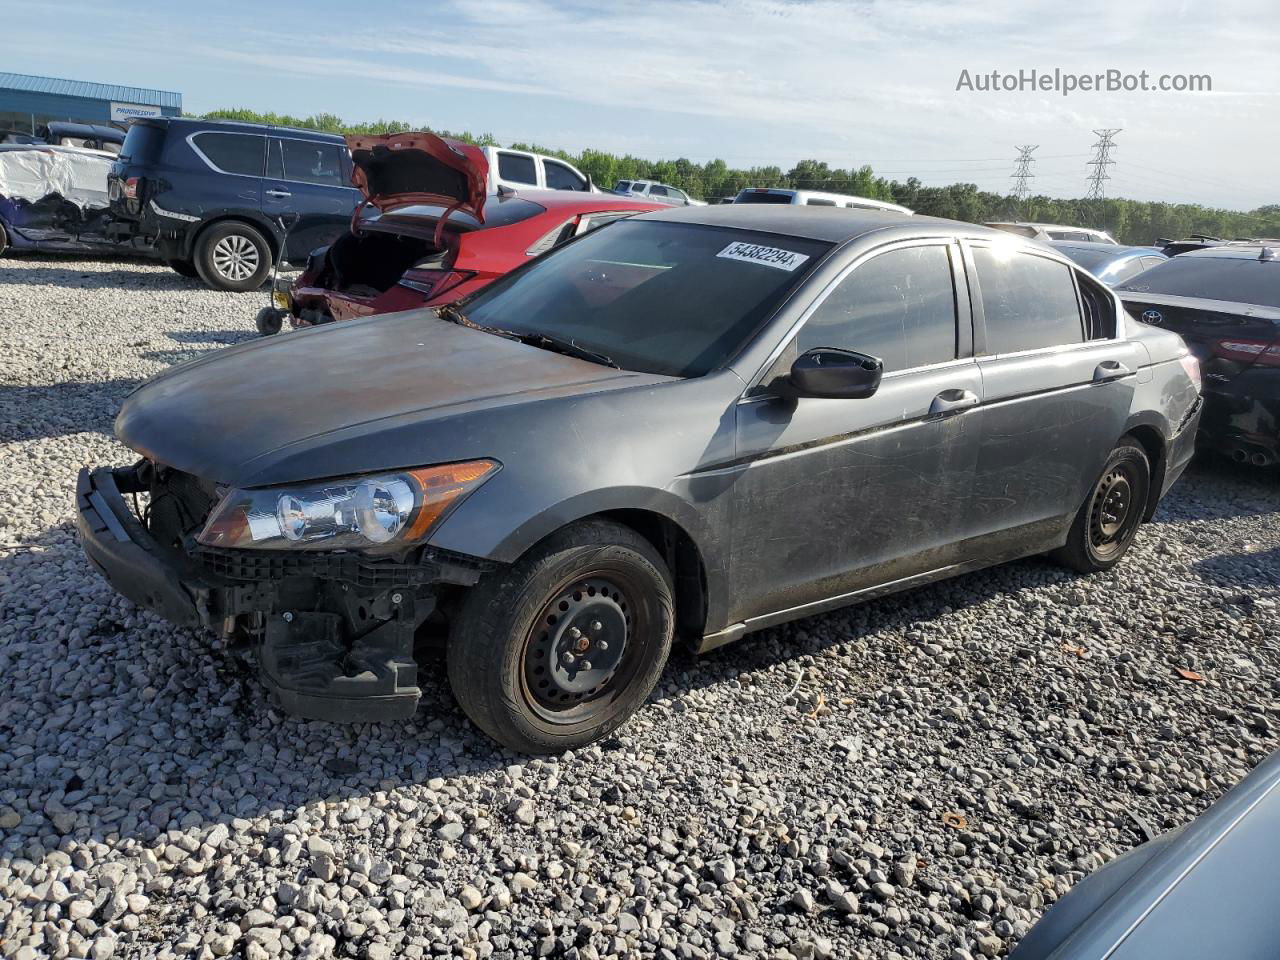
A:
839, 496
308, 182
1058, 387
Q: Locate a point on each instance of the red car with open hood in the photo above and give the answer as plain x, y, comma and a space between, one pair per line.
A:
426, 233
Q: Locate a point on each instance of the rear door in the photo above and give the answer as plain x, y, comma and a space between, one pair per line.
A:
1058, 387
309, 180
516, 170
559, 176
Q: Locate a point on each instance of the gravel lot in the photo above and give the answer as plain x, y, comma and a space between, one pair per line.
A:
917, 777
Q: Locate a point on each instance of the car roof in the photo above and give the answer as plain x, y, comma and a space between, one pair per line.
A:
1116, 250
833, 224
240, 126
1251, 251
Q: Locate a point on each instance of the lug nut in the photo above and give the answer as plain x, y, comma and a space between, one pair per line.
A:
602, 644
575, 633
585, 665
567, 658
597, 625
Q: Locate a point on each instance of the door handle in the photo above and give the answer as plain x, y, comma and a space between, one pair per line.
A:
1110, 370
279, 193
952, 401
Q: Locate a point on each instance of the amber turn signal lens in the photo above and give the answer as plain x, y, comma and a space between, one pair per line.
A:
440, 487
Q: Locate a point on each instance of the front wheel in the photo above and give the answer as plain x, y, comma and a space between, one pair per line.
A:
1109, 518
559, 649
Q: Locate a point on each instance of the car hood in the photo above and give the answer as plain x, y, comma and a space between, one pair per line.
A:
380, 393
401, 169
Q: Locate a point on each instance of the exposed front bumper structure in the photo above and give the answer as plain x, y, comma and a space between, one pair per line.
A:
334, 632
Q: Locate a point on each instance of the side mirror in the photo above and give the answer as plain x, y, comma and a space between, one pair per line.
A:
836, 374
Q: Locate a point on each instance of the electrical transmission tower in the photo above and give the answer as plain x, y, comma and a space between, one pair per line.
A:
1100, 162
1022, 172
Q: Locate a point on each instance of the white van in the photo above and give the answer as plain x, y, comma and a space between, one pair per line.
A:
814, 198
522, 170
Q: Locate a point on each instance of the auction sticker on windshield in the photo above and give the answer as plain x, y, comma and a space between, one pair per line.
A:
768, 256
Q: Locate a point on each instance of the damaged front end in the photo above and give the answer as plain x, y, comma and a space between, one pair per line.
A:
334, 630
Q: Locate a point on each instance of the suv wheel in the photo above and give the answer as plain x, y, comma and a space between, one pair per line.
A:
233, 256
561, 648
4, 240
1110, 516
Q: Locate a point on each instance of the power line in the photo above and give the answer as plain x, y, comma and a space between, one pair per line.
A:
1100, 162
1022, 172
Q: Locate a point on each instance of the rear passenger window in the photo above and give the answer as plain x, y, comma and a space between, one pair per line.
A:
815, 202
1029, 301
899, 307
517, 168
560, 177
307, 161
240, 153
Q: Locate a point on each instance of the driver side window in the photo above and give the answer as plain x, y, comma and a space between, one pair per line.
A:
899, 306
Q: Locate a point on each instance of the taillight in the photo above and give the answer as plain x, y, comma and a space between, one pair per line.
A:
131, 188
1248, 352
1192, 366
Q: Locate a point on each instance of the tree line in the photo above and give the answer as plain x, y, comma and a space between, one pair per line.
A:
1129, 221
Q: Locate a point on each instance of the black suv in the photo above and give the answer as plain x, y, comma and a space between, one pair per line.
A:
223, 200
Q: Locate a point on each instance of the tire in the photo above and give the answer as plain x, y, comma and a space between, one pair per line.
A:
269, 321
515, 664
233, 256
186, 268
4, 240
1104, 528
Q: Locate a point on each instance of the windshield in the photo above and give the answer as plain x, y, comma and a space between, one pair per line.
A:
763, 196
1234, 279
671, 298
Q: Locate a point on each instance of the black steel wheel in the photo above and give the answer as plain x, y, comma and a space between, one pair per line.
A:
562, 647
269, 321
1108, 520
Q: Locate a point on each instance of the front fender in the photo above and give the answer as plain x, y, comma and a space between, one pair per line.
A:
474, 530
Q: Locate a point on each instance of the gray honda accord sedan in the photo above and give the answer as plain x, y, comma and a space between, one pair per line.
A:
698, 423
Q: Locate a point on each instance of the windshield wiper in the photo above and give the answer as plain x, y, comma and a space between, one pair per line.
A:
566, 346
453, 315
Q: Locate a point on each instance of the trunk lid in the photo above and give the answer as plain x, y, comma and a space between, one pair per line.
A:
1227, 338
403, 169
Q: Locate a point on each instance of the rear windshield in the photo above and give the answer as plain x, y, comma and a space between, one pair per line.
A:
670, 298
142, 143
1091, 260
764, 197
1237, 280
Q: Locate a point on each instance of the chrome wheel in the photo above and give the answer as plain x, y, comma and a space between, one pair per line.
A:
236, 257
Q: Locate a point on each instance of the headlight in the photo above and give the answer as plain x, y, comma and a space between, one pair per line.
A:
351, 513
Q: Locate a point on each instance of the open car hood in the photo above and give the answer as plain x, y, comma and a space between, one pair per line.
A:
402, 169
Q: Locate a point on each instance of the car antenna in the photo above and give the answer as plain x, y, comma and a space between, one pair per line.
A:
1268, 253
506, 191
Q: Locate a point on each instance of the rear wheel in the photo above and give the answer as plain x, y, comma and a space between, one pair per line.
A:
233, 256
186, 268
562, 647
1110, 516
4, 240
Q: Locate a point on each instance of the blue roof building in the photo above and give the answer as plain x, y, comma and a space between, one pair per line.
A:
27, 102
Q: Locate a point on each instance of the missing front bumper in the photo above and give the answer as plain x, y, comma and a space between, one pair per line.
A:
334, 633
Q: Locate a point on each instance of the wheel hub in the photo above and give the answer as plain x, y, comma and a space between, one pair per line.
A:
235, 257
578, 646
1111, 506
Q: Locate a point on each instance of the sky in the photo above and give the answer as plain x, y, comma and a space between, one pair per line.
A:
753, 82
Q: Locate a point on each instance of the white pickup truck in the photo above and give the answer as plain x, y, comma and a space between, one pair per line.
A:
522, 170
